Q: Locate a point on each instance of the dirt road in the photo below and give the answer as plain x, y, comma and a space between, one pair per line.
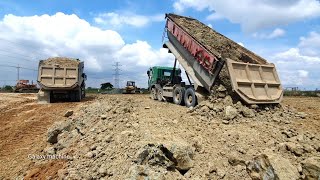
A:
23, 125
111, 134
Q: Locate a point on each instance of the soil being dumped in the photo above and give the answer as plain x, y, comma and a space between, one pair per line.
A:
134, 137
215, 42
218, 45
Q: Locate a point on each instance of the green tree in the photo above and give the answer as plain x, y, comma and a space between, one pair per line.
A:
106, 86
8, 88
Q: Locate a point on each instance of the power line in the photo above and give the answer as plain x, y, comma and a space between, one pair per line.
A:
3, 65
23, 46
18, 69
117, 75
17, 57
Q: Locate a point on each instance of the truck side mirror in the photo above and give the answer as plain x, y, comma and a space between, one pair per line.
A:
148, 72
84, 76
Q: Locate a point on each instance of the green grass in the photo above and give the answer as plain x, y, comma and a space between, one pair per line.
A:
302, 93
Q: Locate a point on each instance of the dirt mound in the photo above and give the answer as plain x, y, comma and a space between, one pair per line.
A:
230, 110
118, 137
62, 61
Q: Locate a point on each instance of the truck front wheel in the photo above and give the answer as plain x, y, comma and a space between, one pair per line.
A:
178, 94
190, 98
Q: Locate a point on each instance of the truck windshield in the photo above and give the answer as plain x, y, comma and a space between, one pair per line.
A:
130, 83
167, 73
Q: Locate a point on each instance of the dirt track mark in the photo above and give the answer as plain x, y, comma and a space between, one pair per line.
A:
23, 126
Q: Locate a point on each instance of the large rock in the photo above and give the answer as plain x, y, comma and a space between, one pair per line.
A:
68, 113
260, 168
155, 155
221, 91
311, 168
295, 148
283, 167
227, 101
174, 155
56, 129
183, 155
230, 113
247, 112
272, 166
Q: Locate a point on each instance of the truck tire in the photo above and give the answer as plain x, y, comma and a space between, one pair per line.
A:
83, 92
76, 95
178, 94
153, 93
190, 98
159, 94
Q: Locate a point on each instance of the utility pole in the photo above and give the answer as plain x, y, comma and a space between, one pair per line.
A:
18, 69
117, 74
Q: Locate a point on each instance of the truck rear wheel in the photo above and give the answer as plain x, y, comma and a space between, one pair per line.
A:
75, 96
83, 92
190, 98
178, 94
153, 93
160, 94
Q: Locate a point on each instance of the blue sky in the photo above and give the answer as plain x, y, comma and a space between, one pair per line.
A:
103, 32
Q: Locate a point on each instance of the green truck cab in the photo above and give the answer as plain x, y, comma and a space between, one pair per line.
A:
161, 75
163, 84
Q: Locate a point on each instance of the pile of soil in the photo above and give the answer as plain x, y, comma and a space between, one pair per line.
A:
134, 137
61, 61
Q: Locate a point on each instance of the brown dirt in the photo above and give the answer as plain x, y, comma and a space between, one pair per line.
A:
309, 105
46, 170
23, 125
133, 121
63, 61
215, 42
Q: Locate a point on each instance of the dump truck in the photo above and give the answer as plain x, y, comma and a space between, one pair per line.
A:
23, 86
131, 88
61, 78
211, 59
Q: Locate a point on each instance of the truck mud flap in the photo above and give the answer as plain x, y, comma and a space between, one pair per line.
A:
43, 97
255, 83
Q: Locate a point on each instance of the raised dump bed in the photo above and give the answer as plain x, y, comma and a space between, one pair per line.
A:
209, 57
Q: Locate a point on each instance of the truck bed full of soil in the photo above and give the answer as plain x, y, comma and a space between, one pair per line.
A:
215, 42
62, 61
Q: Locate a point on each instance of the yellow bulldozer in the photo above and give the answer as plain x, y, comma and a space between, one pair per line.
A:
131, 88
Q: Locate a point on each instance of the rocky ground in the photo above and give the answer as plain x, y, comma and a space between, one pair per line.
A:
134, 137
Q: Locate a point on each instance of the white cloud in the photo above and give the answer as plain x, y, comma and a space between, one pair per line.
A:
303, 73
112, 19
39, 37
293, 54
214, 16
310, 45
141, 53
296, 69
253, 15
274, 34
241, 44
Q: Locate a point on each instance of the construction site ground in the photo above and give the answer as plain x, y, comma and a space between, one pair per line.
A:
120, 125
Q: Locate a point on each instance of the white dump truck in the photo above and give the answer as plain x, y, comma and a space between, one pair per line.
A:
61, 78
